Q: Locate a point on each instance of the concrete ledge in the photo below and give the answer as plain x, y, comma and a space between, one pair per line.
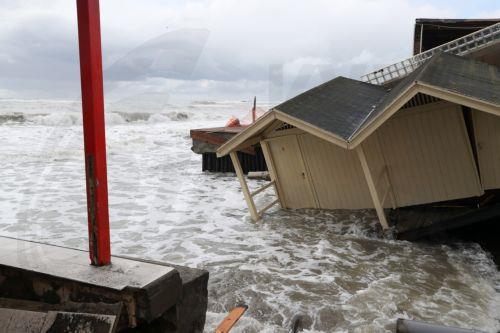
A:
192, 306
148, 291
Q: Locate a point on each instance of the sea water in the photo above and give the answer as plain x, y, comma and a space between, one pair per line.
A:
330, 269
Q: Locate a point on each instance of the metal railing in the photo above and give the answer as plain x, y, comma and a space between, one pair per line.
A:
459, 46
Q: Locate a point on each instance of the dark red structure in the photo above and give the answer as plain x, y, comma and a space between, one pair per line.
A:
89, 35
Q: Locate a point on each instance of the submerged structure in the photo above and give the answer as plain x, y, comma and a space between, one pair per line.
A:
421, 131
206, 141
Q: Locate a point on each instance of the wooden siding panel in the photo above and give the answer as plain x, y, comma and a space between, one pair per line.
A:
487, 132
291, 172
429, 156
336, 174
376, 162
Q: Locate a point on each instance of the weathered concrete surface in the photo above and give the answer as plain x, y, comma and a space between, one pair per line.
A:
20, 321
192, 306
78, 322
74, 265
190, 312
100, 308
149, 294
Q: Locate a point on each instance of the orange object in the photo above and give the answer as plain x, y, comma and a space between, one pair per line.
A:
233, 122
231, 319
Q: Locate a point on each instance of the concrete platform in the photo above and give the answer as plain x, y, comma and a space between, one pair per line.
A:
148, 291
74, 265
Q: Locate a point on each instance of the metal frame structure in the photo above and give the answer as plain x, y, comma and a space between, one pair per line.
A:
460, 46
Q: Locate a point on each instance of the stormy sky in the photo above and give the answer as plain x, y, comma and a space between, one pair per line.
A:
211, 50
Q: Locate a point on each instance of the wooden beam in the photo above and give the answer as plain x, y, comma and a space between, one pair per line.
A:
367, 129
457, 98
307, 127
268, 206
272, 171
392, 194
372, 188
231, 319
244, 186
263, 188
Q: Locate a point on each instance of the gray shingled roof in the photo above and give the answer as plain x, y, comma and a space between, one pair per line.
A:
339, 106
342, 106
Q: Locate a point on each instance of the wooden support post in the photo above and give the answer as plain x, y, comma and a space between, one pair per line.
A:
392, 194
89, 35
272, 171
372, 188
244, 187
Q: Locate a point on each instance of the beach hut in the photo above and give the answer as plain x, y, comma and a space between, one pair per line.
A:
432, 136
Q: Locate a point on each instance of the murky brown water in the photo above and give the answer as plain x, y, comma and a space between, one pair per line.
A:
330, 269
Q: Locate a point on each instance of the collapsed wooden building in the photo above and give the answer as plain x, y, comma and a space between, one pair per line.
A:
432, 136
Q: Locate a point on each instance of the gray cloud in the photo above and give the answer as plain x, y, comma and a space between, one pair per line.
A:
173, 55
210, 48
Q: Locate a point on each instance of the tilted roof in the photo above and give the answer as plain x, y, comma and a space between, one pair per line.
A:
339, 106
345, 111
343, 106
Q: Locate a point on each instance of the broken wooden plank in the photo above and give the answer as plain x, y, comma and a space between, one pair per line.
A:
231, 319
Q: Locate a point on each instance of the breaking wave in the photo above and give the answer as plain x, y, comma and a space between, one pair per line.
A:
74, 118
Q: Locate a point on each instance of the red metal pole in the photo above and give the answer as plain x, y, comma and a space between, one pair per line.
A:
89, 35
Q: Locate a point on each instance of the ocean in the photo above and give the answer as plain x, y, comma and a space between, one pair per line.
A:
331, 269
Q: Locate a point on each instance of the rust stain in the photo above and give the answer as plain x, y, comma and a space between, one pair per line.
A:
92, 208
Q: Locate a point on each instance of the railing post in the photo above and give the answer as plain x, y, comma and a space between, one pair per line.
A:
89, 36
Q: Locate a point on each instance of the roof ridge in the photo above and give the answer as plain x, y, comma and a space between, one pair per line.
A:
412, 78
324, 84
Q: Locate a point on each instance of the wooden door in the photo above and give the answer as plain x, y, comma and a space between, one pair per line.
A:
487, 132
291, 172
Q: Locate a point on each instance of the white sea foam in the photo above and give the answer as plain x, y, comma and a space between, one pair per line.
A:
329, 269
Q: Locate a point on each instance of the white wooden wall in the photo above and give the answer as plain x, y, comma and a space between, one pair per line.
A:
487, 132
429, 156
425, 150
336, 174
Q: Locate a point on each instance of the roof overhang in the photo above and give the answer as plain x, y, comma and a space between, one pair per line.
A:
255, 132
409, 93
